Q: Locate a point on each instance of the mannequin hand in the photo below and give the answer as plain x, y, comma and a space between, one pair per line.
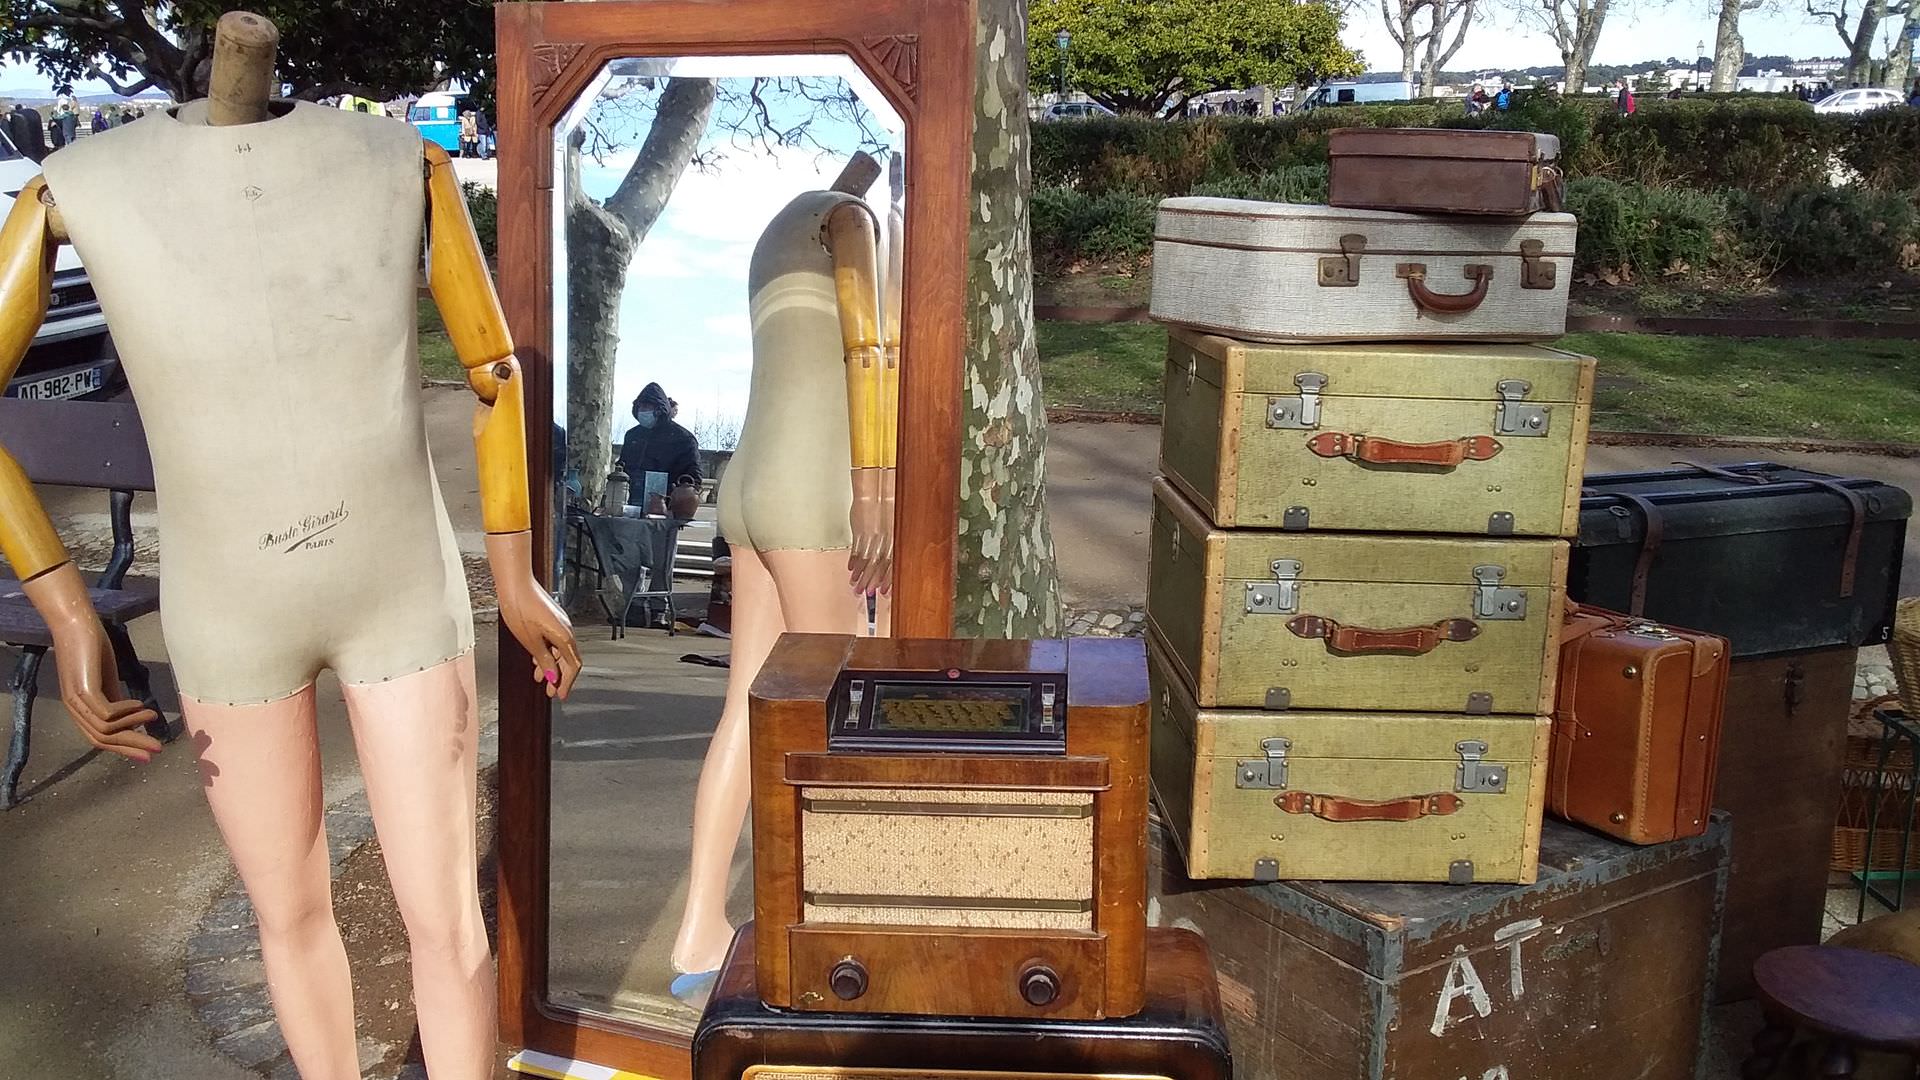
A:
89, 687
531, 616
870, 564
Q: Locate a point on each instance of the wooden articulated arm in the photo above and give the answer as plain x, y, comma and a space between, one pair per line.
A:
893, 330
27, 248
463, 290
852, 239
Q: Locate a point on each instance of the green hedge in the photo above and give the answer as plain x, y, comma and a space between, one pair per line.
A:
1760, 144
483, 205
1627, 230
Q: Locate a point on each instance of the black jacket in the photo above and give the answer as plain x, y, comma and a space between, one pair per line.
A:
28, 134
666, 447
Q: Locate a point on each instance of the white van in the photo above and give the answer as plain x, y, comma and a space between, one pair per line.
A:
71, 356
1356, 93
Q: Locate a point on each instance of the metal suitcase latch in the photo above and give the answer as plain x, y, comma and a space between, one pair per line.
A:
1491, 600
1536, 272
1473, 774
1301, 411
1269, 772
1281, 596
1513, 416
1342, 271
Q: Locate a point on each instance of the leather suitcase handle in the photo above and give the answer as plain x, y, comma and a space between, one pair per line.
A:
1364, 640
1481, 274
1374, 450
1335, 808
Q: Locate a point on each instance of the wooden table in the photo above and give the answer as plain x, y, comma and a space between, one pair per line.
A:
1855, 1000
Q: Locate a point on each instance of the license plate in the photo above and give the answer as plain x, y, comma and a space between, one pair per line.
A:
53, 388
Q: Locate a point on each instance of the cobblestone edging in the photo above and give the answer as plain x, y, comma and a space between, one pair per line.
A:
1112, 622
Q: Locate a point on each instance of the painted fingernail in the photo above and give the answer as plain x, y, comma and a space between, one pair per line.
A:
553, 677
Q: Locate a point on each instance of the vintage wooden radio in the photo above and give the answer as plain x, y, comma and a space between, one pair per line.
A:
951, 827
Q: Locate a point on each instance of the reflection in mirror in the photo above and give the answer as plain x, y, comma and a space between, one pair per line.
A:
723, 450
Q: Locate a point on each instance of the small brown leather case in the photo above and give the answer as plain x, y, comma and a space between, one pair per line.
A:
1443, 171
1636, 732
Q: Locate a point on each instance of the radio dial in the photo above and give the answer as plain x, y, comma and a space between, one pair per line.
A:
848, 979
1039, 986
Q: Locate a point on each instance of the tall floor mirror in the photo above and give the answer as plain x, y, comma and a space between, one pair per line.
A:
664, 163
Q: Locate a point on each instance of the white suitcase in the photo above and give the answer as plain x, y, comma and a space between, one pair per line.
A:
1286, 272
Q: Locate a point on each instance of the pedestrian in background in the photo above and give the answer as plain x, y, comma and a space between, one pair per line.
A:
1623, 102
69, 123
483, 131
26, 131
1504, 99
469, 135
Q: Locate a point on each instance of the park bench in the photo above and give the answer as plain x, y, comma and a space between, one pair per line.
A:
91, 445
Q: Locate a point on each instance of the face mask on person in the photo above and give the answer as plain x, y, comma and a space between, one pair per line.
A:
646, 418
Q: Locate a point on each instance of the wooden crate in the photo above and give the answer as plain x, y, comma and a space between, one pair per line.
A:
1600, 970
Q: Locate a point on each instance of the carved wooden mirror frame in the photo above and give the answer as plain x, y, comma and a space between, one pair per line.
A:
920, 55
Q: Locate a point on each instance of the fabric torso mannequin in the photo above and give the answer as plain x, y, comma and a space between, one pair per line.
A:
788, 487
305, 529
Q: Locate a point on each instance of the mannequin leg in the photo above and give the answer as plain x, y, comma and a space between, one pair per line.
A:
260, 765
774, 591
720, 802
417, 737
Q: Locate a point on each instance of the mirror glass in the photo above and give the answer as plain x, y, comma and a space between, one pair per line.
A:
668, 171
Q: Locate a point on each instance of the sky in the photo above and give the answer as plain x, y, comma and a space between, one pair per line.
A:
1635, 30
683, 315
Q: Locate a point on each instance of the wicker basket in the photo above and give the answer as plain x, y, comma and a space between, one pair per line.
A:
1904, 650
1856, 797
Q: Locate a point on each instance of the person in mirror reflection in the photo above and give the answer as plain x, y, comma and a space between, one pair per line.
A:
806, 504
655, 443
263, 295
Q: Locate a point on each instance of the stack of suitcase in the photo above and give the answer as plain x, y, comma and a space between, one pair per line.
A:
1360, 535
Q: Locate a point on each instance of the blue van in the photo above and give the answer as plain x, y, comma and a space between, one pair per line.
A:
437, 115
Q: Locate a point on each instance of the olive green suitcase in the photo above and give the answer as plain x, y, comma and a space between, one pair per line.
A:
1277, 620
1347, 796
1471, 439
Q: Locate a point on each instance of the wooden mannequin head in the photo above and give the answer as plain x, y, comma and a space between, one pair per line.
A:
243, 51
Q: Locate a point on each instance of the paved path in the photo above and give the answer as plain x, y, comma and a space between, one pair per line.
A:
1101, 500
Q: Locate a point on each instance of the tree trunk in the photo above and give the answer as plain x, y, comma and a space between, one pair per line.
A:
1399, 16
1006, 583
1447, 15
1578, 40
1860, 56
1729, 50
1900, 55
601, 241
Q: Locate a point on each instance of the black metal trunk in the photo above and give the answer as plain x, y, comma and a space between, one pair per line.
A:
1774, 559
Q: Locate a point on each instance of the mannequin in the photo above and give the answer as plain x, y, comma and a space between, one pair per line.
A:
301, 522
808, 548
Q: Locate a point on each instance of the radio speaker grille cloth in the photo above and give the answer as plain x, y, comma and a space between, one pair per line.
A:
918, 857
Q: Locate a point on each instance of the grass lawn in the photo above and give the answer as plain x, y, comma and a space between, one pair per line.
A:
437, 360
1790, 387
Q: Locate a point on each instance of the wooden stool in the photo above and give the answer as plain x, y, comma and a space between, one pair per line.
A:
1856, 1000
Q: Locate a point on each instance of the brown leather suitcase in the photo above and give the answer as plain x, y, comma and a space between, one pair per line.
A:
1636, 730
1435, 170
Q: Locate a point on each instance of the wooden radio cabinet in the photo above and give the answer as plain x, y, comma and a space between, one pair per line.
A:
951, 827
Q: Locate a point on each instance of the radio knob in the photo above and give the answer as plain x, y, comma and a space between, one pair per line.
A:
1039, 986
848, 979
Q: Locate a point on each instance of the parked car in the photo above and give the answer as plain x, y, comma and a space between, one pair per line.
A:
437, 115
1076, 110
1355, 93
1858, 100
72, 356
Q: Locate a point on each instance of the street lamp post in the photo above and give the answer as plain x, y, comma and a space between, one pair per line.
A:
1061, 40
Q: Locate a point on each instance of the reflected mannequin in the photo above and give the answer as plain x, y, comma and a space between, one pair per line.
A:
892, 330
806, 506
265, 313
